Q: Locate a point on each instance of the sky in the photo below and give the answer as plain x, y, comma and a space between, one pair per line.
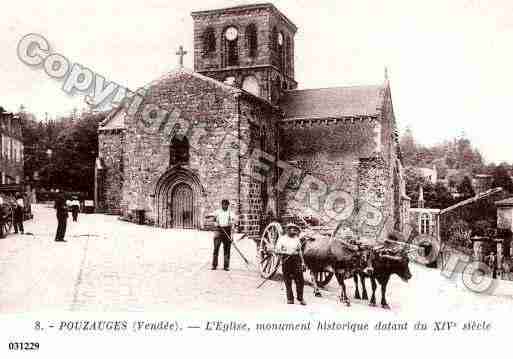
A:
449, 62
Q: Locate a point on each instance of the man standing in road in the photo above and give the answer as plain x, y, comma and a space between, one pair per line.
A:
62, 217
75, 207
289, 246
18, 214
224, 219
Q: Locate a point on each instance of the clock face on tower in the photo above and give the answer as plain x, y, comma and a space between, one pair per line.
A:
231, 33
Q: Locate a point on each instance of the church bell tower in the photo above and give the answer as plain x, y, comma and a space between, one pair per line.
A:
250, 47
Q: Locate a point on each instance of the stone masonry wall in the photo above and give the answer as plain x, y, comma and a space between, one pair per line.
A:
265, 20
394, 204
258, 193
374, 192
328, 152
357, 156
110, 145
207, 112
265, 65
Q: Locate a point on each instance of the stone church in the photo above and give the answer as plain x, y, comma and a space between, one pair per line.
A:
243, 124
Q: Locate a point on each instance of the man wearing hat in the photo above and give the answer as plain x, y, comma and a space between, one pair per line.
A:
224, 219
62, 217
18, 214
289, 246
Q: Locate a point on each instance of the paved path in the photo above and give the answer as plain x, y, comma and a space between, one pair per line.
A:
110, 265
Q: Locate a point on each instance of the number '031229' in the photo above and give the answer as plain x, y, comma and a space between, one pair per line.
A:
23, 346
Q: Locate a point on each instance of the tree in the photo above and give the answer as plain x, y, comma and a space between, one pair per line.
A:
74, 146
460, 233
75, 151
413, 184
408, 147
442, 197
457, 153
435, 196
34, 142
465, 188
501, 178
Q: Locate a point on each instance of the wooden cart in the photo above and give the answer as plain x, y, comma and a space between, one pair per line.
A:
269, 260
8, 193
6, 219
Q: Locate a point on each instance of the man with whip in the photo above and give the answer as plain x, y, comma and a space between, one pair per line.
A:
224, 219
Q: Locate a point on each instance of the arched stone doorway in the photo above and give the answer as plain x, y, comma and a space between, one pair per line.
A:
178, 198
182, 209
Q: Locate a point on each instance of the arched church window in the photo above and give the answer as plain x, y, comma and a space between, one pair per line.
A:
274, 39
282, 57
425, 223
252, 40
179, 151
250, 84
288, 61
275, 48
231, 50
209, 41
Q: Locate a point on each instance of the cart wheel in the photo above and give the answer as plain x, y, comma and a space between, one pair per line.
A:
7, 225
323, 278
268, 259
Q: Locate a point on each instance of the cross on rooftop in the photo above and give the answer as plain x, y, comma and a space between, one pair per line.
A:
181, 53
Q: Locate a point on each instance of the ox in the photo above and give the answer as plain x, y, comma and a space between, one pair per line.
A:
385, 263
323, 255
344, 260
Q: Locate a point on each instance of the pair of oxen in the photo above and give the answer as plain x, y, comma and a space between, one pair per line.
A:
347, 260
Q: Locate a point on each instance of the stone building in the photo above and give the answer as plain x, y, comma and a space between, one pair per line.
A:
429, 174
237, 127
11, 148
425, 221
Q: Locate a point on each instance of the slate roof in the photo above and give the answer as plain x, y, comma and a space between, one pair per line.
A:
116, 118
184, 70
477, 197
508, 202
333, 102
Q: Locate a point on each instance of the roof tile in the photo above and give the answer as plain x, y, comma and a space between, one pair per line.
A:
333, 102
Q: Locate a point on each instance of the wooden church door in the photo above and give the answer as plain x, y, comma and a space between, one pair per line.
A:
182, 206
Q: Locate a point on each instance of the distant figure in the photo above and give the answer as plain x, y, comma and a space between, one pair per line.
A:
491, 261
224, 220
75, 207
18, 215
3, 214
62, 218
